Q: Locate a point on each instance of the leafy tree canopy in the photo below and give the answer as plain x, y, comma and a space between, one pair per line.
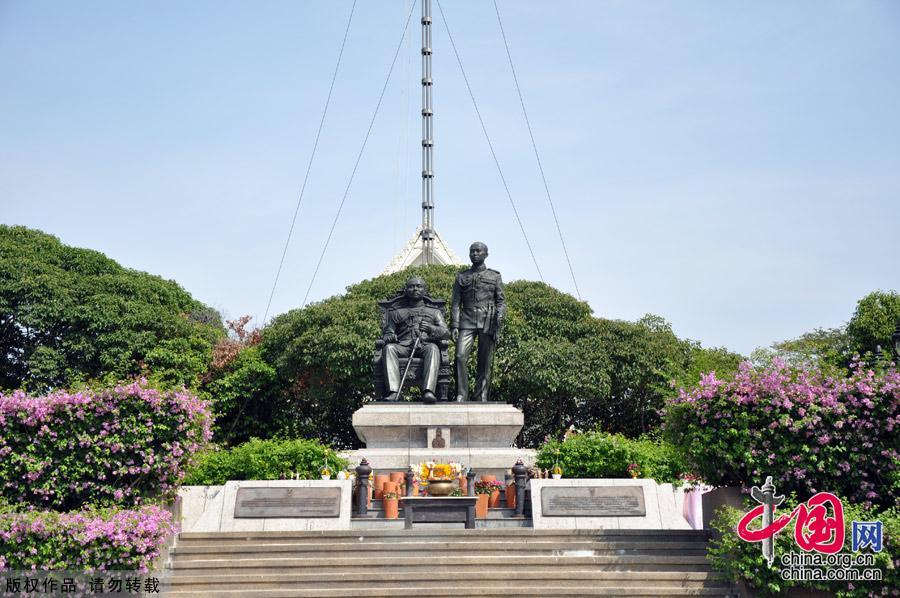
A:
69, 315
874, 322
559, 364
871, 325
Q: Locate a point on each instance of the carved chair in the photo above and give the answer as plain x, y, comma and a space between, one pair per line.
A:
414, 377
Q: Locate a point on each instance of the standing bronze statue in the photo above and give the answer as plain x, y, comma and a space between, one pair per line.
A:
414, 328
477, 310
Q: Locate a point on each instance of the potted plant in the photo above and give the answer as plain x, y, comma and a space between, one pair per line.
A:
483, 492
391, 502
511, 495
634, 470
494, 500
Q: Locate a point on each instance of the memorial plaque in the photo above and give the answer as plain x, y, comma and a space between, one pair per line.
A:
593, 501
299, 502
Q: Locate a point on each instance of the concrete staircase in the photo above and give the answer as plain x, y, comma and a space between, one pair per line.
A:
443, 562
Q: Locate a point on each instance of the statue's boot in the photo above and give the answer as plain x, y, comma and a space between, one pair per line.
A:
460, 399
428, 397
391, 397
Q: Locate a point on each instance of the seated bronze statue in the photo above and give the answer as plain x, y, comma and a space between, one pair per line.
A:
414, 343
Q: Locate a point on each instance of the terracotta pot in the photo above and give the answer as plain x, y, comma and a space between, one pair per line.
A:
415, 491
481, 506
369, 499
391, 508
494, 500
488, 478
511, 495
463, 484
390, 487
380, 479
399, 477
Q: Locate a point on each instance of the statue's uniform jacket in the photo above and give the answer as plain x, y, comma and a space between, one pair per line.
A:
478, 302
477, 310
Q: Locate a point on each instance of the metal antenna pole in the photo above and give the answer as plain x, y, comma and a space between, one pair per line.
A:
427, 140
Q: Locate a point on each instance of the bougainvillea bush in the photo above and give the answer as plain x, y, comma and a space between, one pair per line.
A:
100, 539
120, 446
810, 432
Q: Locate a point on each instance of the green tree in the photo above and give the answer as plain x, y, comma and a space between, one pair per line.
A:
241, 386
873, 322
871, 325
70, 315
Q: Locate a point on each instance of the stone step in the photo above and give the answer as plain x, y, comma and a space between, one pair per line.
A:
325, 581
531, 546
401, 554
622, 562
376, 512
456, 535
490, 523
361, 581
380, 575
480, 589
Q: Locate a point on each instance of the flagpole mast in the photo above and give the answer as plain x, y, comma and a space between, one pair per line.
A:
427, 140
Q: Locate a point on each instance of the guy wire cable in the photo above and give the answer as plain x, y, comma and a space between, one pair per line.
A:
490, 145
534, 146
309, 165
359, 156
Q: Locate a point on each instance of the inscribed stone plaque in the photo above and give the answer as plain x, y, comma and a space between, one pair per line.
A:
593, 501
287, 502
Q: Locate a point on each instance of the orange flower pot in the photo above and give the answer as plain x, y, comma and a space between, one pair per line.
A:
494, 500
399, 477
488, 478
481, 506
463, 484
380, 479
511, 496
391, 508
390, 487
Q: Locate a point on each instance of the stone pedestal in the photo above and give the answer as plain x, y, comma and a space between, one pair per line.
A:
479, 435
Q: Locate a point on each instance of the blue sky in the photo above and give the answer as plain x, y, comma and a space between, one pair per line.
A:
731, 166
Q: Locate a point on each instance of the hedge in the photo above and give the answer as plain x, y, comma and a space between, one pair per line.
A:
600, 455
264, 460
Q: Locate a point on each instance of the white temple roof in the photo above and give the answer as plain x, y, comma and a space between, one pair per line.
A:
411, 254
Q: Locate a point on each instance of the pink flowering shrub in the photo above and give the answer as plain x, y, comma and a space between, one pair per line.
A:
105, 539
810, 432
118, 446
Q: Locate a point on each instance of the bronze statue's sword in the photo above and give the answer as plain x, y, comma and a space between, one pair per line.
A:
766, 496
